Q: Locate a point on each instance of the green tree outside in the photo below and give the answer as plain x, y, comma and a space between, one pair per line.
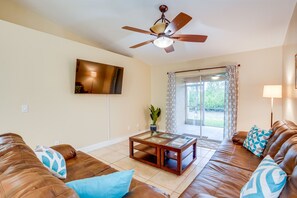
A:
214, 96
214, 99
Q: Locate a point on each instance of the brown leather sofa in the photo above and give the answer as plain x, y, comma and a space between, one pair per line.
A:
23, 175
232, 165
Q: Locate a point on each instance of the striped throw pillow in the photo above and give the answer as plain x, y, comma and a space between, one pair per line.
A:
267, 181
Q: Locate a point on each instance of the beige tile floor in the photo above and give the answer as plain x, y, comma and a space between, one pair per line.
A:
117, 156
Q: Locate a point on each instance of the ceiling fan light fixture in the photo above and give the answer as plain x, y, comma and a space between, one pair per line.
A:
217, 77
163, 42
158, 28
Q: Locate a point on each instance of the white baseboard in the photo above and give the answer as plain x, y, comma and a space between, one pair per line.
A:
99, 145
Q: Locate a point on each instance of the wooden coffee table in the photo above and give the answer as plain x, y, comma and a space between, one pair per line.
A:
170, 152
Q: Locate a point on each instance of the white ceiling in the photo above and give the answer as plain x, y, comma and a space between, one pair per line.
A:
231, 25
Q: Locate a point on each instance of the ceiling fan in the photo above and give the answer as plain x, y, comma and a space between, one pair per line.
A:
165, 31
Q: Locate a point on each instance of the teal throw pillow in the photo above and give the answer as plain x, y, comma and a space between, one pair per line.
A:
52, 160
267, 180
256, 140
114, 185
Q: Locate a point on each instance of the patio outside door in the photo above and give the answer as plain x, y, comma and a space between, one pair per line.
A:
204, 101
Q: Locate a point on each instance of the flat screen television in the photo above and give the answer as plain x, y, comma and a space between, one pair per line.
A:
98, 78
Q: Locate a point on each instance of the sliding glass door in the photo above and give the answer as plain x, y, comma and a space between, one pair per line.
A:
193, 103
204, 100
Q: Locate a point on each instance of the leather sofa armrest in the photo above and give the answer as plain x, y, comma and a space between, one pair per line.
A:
66, 150
239, 137
146, 191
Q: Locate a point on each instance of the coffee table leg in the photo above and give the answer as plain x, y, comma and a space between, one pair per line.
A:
131, 150
159, 156
179, 163
194, 150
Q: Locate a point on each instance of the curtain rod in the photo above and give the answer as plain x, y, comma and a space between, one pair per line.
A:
207, 68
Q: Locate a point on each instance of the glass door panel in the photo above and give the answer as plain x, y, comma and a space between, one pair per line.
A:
214, 104
200, 106
193, 104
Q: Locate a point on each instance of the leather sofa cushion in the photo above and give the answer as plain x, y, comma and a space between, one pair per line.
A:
232, 165
287, 160
225, 174
84, 166
219, 180
143, 191
282, 131
236, 155
66, 150
23, 175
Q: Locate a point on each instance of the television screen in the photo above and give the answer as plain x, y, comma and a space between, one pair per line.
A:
98, 78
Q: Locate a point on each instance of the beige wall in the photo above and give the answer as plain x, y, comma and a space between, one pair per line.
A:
38, 69
15, 13
258, 68
289, 52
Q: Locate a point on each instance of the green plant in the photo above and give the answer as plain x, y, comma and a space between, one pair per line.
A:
155, 114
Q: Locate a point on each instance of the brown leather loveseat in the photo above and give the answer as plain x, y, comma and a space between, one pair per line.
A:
23, 175
232, 165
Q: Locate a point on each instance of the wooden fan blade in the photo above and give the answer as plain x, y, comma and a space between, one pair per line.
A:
141, 44
189, 37
138, 30
169, 49
177, 23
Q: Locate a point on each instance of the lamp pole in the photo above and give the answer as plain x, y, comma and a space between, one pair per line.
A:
272, 91
271, 121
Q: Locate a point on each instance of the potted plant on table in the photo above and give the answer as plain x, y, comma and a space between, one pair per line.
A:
155, 114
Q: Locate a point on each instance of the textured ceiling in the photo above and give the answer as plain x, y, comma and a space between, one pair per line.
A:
231, 25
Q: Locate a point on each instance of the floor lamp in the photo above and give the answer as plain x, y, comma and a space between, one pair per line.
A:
272, 91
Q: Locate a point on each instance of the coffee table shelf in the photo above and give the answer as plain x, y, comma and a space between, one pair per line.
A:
173, 155
146, 149
146, 158
171, 164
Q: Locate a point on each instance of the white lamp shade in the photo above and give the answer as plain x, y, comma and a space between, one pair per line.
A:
272, 91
